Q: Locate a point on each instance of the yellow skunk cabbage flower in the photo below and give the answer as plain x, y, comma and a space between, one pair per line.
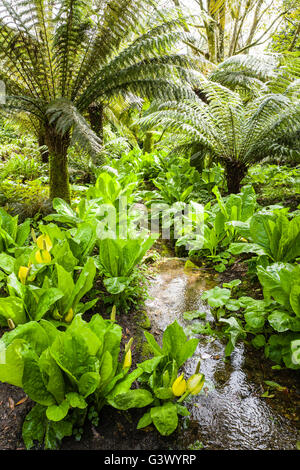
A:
23, 274
128, 356
33, 235
69, 316
179, 386
127, 360
11, 324
44, 242
42, 256
195, 383
113, 314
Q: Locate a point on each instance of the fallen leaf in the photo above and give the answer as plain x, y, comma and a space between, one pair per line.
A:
11, 403
22, 401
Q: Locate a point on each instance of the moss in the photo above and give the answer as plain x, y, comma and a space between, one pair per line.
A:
58, 152
197, 445
59, 178
190, 265
142, 320
146, 350
141, 345
165, 250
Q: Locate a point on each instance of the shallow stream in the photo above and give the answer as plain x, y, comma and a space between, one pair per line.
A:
231, 414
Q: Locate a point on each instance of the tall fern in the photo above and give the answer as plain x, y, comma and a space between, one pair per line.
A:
227, 128
61, 57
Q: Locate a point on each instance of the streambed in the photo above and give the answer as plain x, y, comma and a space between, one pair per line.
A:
231, 414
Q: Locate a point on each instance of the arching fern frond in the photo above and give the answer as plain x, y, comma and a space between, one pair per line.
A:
64, 115
231, 131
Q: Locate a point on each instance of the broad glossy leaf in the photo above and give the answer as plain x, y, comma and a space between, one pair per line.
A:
280, 320
132, 399
217, 297
33, 383
11, 362
58, 412
12, 308
88, 383
165, 418
34, 426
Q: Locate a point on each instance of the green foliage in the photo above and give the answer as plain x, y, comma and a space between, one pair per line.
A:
271, 234
273, 323
117, 262
12, 234
105, 205
22, 167
275, 184
68, 59
286, 38
225, 128
214, 229
160, 375
61, 371
28, 200
58, 297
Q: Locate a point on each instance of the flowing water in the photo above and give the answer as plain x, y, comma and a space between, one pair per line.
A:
231, 414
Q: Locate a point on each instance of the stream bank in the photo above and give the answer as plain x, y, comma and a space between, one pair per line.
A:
230, 413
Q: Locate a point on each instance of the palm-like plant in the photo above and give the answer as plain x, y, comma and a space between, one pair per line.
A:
226, 129
61, 59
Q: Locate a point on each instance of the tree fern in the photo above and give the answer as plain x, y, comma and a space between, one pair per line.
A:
228, 129
59, 58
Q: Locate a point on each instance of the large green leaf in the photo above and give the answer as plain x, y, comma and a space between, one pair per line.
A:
33, 382
165, 418
46, 300
217, 297
234, 331
12, 308
7, 263
33, 333
277, 280
131, 399
83, 284
34, 426
280, 320
23, 232
52, 376
156, 349
11, 362
176, 344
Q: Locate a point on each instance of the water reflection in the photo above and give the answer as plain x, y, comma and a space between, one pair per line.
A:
232, 414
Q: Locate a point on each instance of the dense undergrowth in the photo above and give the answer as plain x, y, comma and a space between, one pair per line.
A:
58, 266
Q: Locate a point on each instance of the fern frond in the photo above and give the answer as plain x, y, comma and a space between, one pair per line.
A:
64, 115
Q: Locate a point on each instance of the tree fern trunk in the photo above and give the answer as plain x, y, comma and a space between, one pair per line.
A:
43, 151
58, 163
96, 119
235, 172
148, 144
